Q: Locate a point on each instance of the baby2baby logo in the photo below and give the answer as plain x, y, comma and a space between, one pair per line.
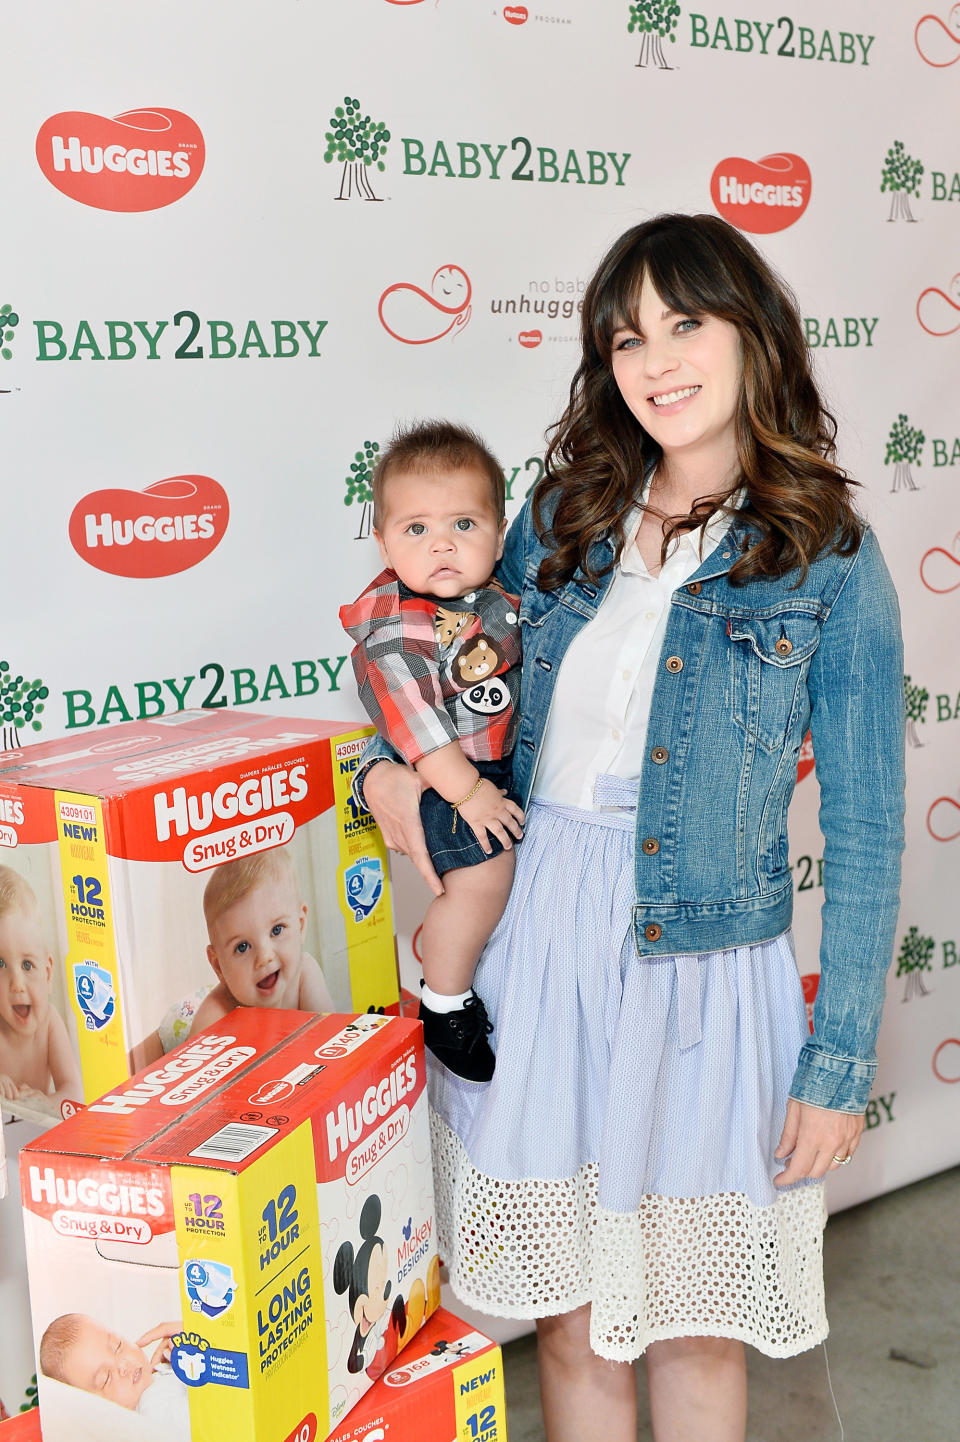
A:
139, 160
165, 528
761, 196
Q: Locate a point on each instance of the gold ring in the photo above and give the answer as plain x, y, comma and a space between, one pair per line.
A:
842, 1161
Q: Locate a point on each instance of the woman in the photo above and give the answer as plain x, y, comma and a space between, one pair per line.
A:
644, 1173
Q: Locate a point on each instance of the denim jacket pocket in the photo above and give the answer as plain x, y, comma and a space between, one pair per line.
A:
769, 656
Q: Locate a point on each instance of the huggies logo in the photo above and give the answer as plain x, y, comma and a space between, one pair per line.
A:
159, 531
761, 196
139, 160
255, 797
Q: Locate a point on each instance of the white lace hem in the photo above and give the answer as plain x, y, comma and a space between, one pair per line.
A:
716, 1266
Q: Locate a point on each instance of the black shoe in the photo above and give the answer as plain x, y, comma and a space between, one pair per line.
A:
459, 1039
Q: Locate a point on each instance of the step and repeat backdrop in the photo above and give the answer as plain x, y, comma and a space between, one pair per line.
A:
242, 243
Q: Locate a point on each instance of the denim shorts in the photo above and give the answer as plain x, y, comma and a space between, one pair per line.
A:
449, 850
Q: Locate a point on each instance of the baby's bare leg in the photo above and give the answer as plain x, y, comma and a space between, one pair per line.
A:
458, 924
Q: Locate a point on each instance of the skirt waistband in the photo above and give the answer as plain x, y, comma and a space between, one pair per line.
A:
614, 804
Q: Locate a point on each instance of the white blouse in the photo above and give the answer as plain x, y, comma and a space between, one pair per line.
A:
601, 702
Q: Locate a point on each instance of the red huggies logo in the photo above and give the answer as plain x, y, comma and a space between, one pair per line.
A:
761, 196
160, 531
515, 14
140, 160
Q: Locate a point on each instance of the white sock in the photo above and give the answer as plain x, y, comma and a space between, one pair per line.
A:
441, 1003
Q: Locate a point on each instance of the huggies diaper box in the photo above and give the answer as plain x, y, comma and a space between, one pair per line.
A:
149, 873
25, 1427
236, 1242
447, 1387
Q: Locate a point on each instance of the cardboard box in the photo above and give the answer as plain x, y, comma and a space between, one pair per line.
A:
447, 1387
260, 1207
25, 1427
107, 846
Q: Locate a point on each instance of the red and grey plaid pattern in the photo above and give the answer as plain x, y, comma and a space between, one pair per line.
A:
424, 681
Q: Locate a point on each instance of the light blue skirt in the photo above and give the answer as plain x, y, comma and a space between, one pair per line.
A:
623, 1154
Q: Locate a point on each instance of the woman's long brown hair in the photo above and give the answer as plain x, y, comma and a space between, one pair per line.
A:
797, 498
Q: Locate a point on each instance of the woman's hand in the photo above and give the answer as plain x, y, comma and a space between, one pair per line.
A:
392, 794
813, 1138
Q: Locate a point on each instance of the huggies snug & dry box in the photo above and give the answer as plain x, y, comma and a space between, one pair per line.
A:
112, 840
259, 1205
447, 1387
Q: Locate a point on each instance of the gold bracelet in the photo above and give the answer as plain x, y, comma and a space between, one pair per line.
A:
469, 796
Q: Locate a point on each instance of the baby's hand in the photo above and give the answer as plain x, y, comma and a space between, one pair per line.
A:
490, 811
8, 1087
164, 1331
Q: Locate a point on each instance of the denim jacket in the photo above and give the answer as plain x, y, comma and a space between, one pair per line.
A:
744, 672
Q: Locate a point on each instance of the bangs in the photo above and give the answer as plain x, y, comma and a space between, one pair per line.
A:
685, 270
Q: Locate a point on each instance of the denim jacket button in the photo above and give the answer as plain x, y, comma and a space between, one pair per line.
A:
651, 846
783, 647
694, 588
653, 932
674, 663
659, 754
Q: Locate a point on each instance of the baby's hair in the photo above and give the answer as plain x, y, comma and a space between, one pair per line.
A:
16, 893
55, 1345
433, 446
231, 881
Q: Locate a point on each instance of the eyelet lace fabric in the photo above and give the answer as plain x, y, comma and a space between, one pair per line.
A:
718, 1266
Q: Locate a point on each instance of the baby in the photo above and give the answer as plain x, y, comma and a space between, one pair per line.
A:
437, 664
36, 1061
83, 1353
255, 923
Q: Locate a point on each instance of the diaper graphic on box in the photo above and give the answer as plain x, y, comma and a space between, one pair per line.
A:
237, 1241
93, 987
159, 875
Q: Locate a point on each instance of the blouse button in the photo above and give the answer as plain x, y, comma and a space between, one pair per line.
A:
783, 647
694, 588
653, 932
659, 754
651, 846
674, 663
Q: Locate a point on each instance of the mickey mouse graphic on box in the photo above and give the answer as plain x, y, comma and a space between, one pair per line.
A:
364, 1275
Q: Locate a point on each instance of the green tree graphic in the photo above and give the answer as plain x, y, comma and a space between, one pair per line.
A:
9, 320
21, 702
904, 445
914, 959
359, 487
656, 20
916, 698
358, 142
901, 176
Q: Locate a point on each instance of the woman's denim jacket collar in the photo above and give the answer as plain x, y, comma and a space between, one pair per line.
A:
745, 671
